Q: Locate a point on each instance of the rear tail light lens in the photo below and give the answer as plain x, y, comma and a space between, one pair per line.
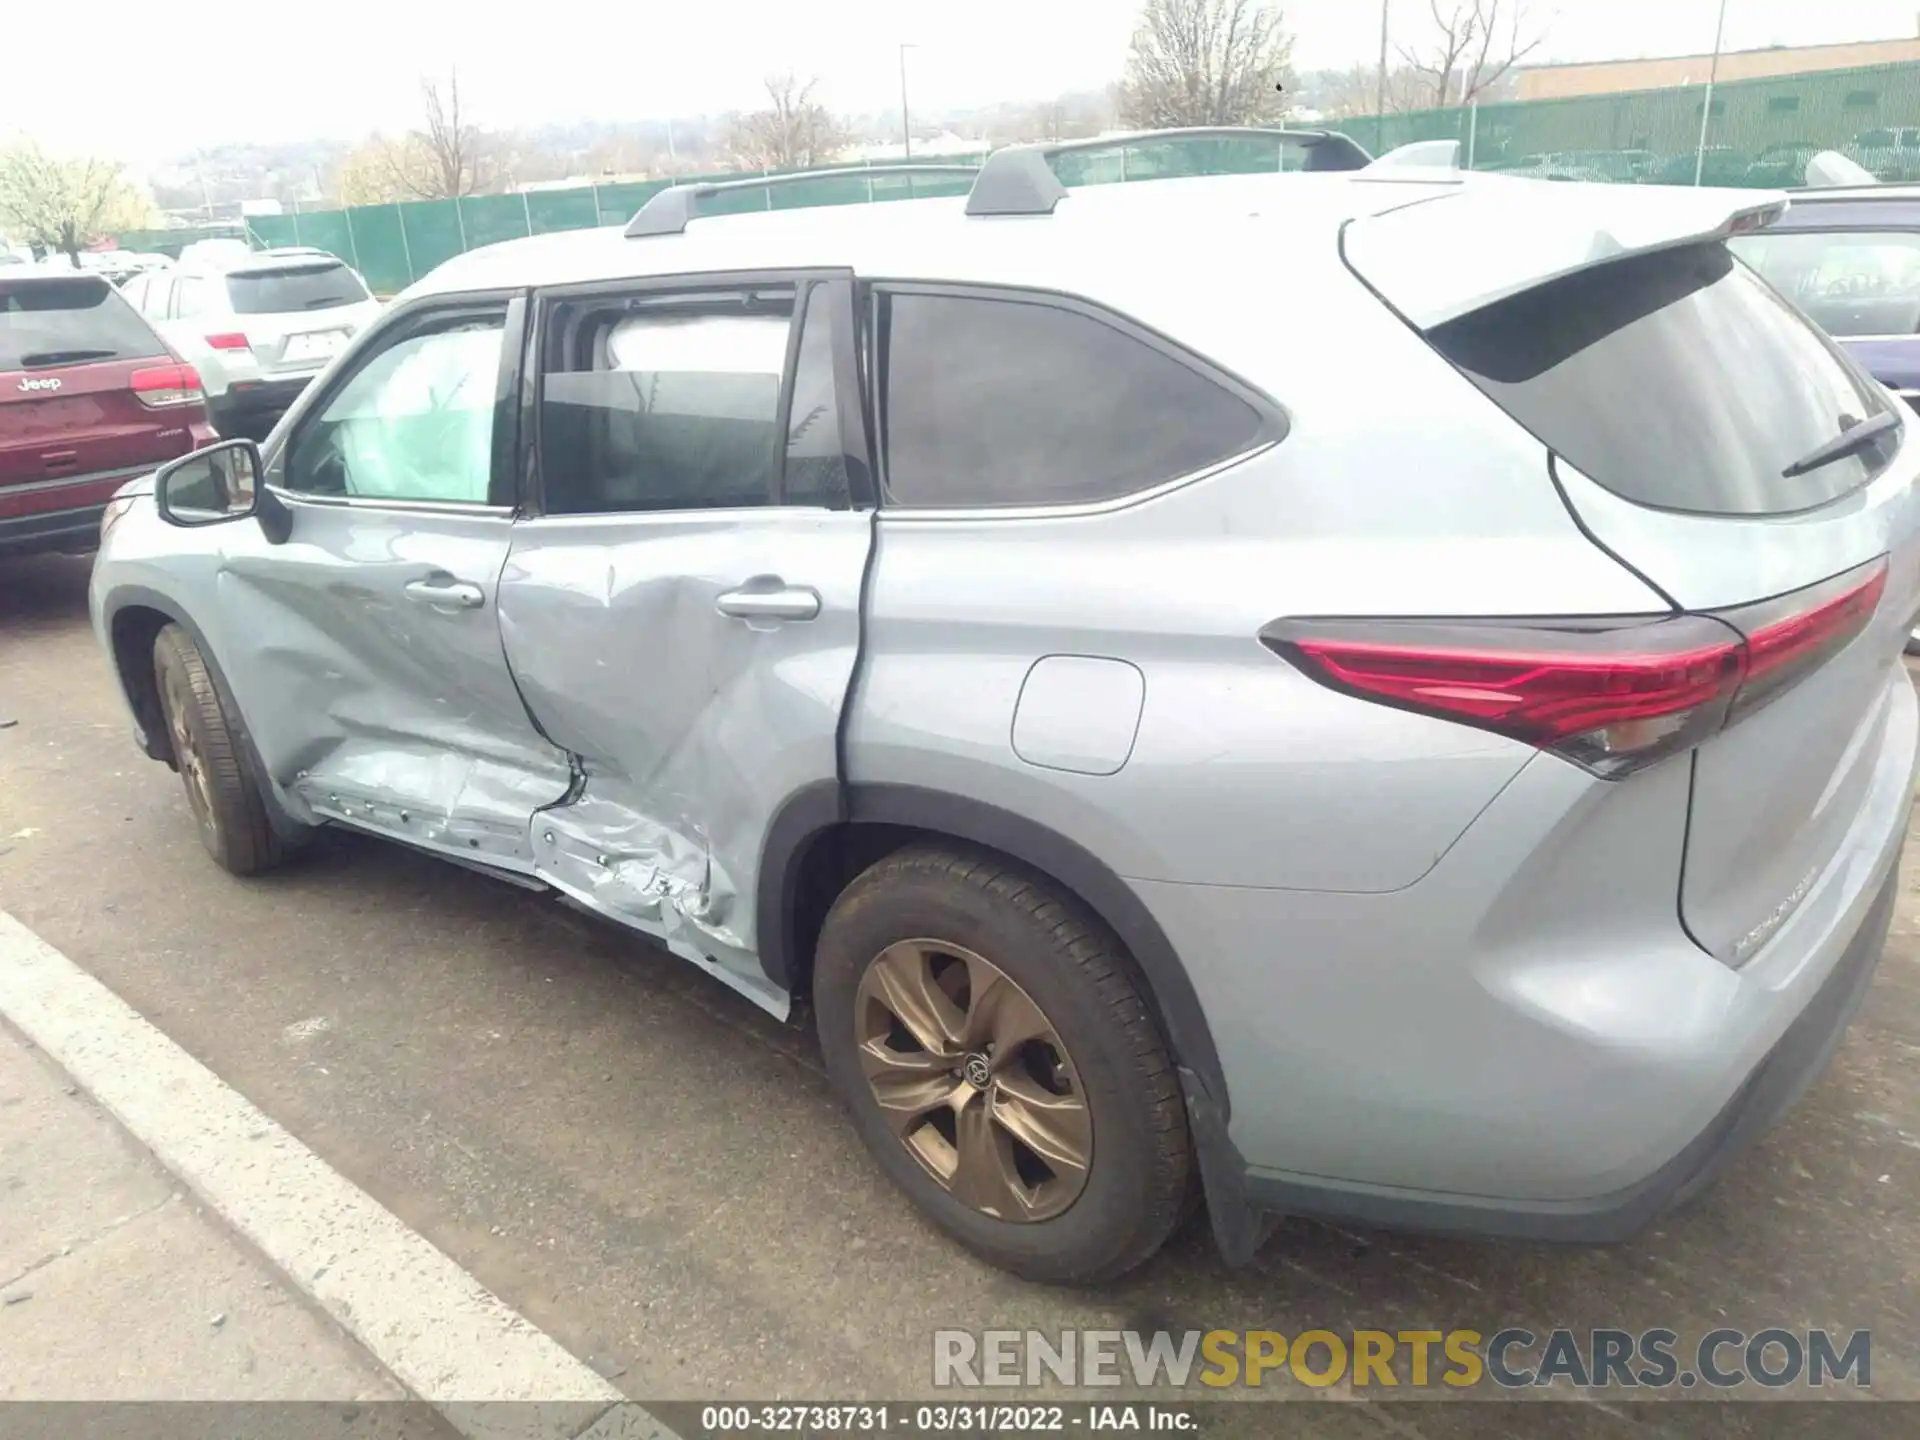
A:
1610, 695
231, 341
159, 386
1796, 634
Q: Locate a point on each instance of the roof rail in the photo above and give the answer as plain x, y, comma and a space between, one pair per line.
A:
668, 212
1017, 180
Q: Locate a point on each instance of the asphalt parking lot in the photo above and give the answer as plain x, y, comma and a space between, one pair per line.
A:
657, 1174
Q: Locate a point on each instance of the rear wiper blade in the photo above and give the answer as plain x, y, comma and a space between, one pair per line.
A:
1853, 438
41, 358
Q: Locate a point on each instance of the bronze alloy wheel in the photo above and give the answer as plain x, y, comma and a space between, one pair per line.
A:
974, 1080
177, 696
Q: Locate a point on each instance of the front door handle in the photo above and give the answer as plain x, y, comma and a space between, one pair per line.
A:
777, 601
447, 594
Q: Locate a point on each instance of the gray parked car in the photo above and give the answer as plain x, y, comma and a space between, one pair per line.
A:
1302, 690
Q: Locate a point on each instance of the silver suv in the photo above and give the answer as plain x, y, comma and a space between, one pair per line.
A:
1362, 694
256, 326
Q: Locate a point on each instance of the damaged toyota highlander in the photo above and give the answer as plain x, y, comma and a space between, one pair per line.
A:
1401, 721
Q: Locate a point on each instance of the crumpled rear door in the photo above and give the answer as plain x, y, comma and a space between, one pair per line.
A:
689, 628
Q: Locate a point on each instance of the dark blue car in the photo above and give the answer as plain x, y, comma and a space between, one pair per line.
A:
1851, 259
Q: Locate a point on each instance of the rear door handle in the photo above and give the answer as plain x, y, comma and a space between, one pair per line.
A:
776, 602
447, 594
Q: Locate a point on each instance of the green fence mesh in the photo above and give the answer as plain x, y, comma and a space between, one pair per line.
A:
1759, 133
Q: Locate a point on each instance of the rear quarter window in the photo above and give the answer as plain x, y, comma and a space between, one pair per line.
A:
1678, 380
283, 292
77, 321
998, 400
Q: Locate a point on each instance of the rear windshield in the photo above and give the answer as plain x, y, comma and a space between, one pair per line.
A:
1677, 379
280, 292
78, 321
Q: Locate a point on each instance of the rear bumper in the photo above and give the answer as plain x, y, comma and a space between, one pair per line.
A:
1524, 1042
73, 531
64, 514
1799, 1059
247, 403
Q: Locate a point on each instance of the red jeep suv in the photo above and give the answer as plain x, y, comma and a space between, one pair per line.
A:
90, 397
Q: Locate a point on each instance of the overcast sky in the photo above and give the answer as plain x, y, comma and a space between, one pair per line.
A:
168, 80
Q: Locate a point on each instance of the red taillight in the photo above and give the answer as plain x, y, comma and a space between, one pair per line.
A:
233, 340
160, 386
1611, 695
1800, 632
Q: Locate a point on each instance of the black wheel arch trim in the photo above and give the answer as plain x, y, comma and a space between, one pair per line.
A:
125, 597
821, 806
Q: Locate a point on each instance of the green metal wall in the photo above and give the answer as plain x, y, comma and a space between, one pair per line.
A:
1760, 133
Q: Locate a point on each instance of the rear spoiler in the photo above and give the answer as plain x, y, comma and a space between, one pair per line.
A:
1433, 158
1464, 249
1830, 168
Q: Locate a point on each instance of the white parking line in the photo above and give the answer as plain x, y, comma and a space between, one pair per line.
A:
440, 1332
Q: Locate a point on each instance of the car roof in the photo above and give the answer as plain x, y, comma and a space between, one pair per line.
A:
292, 257
39, 272
1114, 242
1096, 228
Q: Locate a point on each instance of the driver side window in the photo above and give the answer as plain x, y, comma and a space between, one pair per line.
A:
415, 422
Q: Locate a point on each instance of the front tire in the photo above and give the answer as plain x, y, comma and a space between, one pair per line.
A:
1002, 1065
227, 805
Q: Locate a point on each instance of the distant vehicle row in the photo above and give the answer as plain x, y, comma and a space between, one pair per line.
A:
1889, 154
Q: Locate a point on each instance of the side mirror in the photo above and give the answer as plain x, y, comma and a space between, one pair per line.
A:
210, 486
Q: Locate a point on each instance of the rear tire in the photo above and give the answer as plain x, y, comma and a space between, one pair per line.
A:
1102, 1095
227, 805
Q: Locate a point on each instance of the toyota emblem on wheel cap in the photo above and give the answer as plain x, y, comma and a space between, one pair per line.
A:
977, 1071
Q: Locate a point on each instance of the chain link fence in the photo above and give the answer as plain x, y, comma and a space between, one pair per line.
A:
1758, 133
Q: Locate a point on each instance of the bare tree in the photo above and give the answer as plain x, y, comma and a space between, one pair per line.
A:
65, 205
1206, 62
1473, 45
794, 131
1356, 91
443, 159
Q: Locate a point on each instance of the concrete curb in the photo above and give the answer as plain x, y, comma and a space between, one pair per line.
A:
439, 1332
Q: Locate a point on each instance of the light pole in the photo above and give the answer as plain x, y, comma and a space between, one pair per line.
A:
1706, 105
1380, 100
906, 123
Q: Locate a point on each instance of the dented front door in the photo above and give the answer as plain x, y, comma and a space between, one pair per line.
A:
365, 649
685, 616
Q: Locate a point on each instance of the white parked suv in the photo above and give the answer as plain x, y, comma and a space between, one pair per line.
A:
257, 327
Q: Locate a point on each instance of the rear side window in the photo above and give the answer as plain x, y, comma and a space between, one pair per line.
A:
80, 321
1002, 401
283, 292
1678, 380
194, 295
677, 402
